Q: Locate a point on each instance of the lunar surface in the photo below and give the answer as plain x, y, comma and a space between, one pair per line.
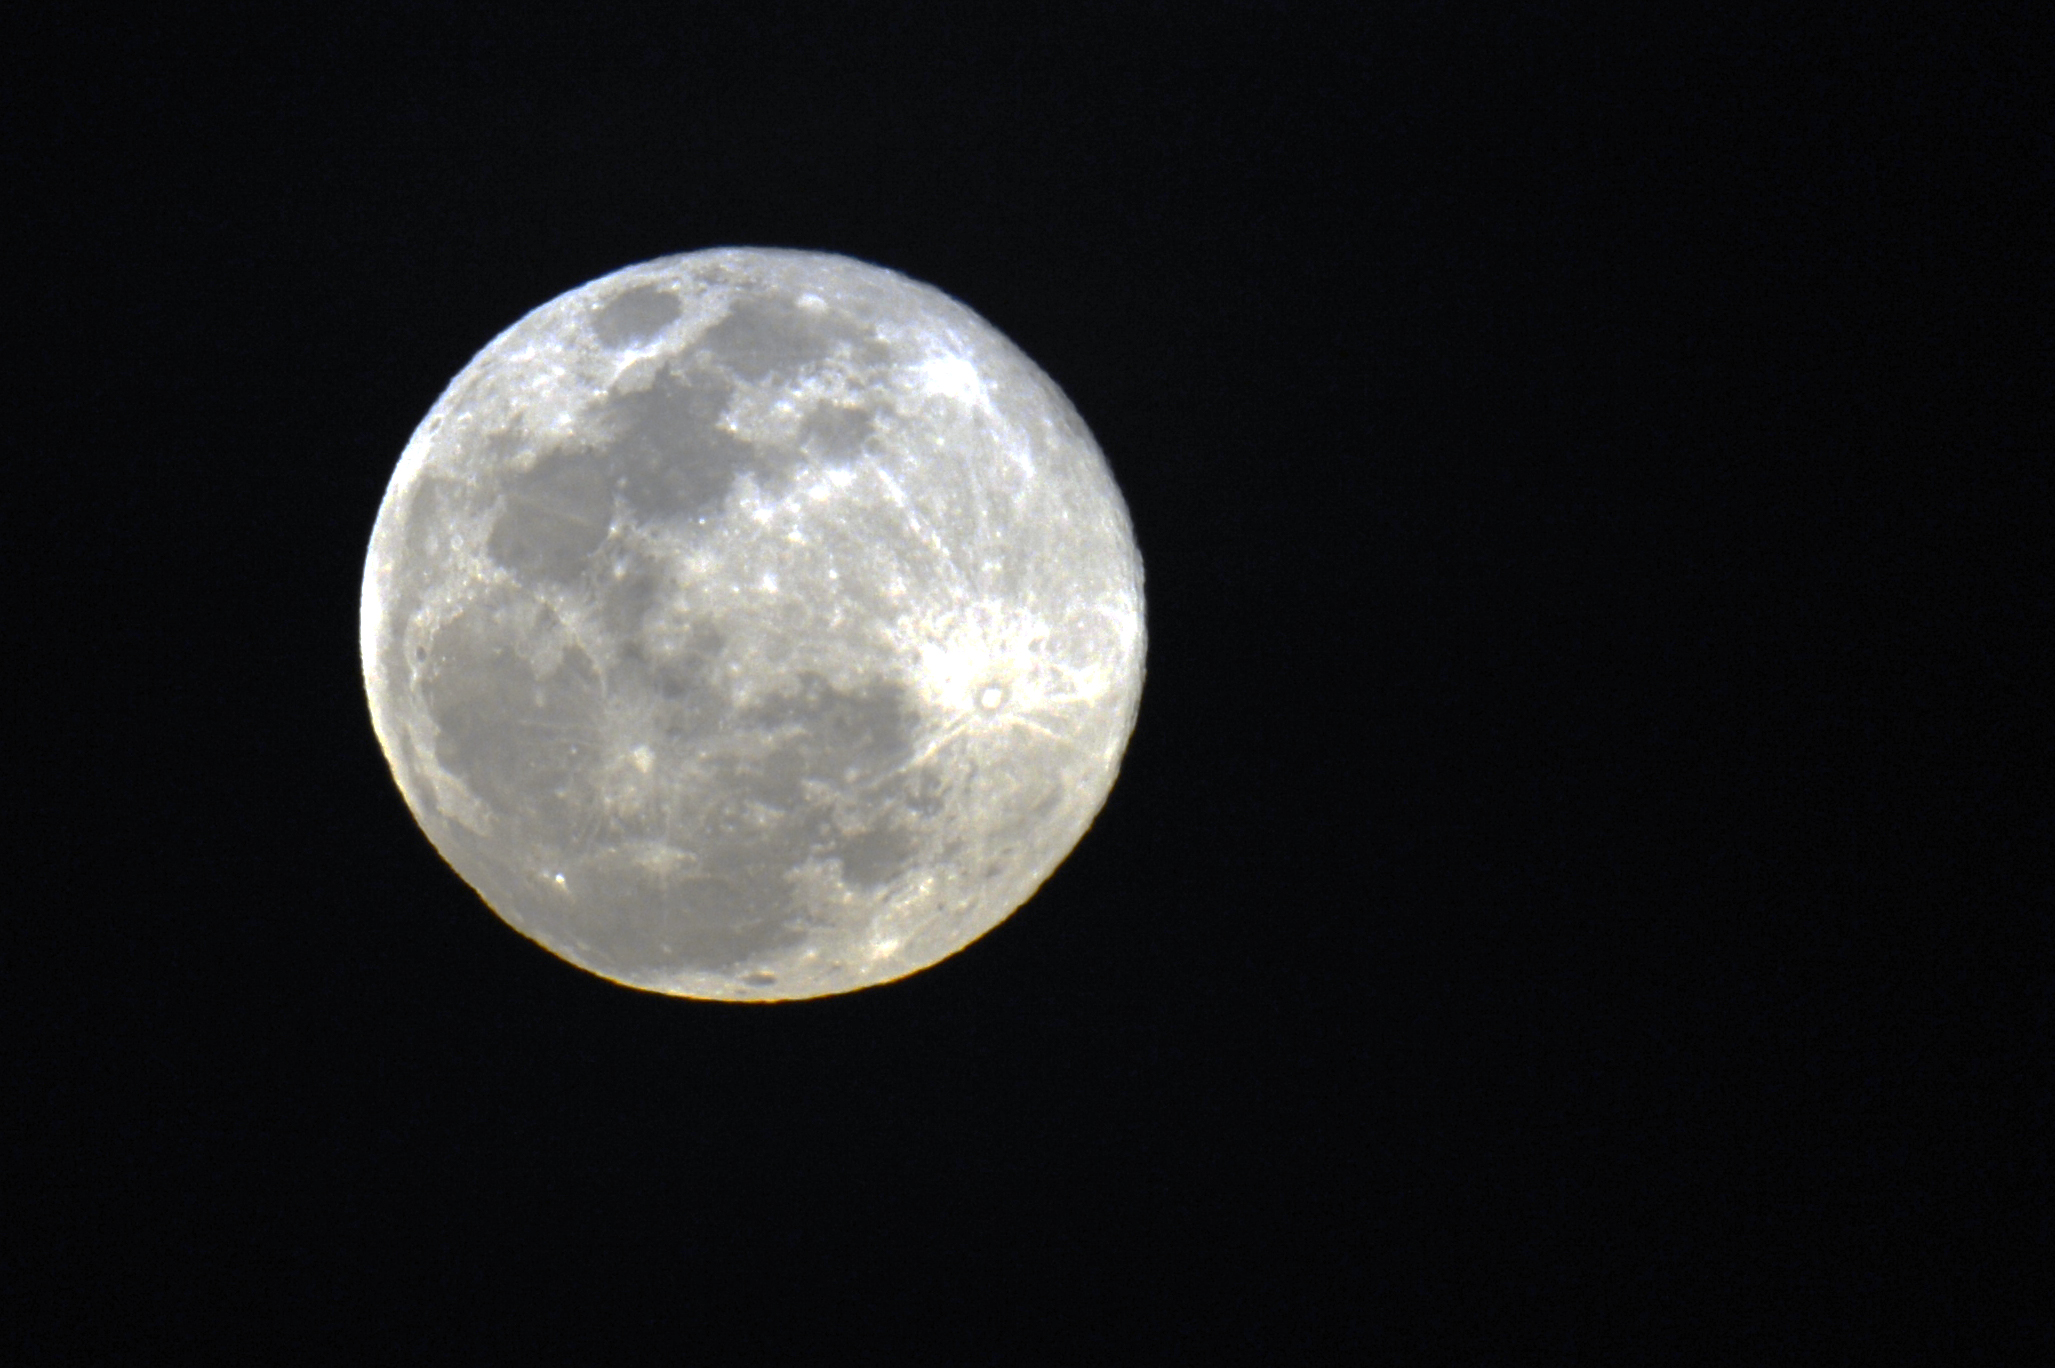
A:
753, 625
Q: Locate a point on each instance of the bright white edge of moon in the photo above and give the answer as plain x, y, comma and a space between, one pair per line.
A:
753, 624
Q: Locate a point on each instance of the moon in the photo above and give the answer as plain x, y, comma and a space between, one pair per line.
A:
753, 625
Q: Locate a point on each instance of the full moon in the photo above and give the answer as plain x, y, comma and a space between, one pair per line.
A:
753, 624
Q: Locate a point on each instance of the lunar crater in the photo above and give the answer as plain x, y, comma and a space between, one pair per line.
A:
753, 625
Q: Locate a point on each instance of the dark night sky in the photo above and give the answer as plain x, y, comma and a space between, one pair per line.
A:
1570, 888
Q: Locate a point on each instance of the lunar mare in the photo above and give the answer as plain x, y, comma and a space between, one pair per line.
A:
753, 624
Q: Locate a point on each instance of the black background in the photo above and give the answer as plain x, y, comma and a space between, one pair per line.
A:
1573, 888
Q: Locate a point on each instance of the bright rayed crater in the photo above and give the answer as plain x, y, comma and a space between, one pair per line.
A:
753, 624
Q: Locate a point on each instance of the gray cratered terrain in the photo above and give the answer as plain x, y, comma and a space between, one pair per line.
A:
753, 624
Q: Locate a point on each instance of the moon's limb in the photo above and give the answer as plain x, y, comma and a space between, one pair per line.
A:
753, 624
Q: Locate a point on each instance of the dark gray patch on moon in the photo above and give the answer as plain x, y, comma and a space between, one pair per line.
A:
556, 516
643, 924
665, 447
824, 784
511, 733
627, 597
775, 809
672, 694
761, 338
836, 432
871, 859
845, 735
635, 316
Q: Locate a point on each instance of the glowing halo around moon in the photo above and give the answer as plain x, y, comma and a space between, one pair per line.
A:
753, 624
